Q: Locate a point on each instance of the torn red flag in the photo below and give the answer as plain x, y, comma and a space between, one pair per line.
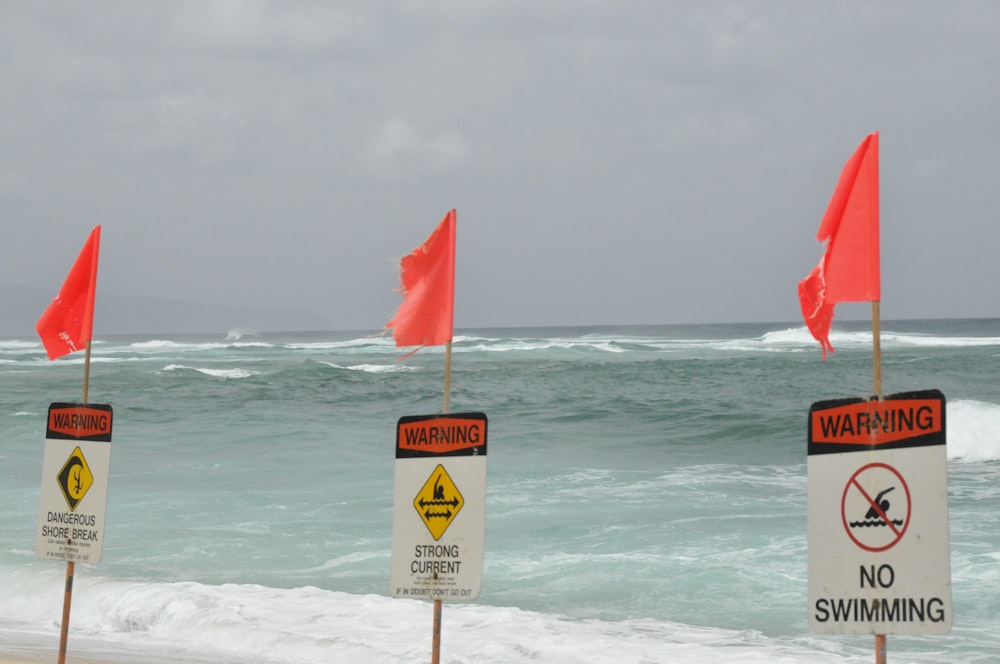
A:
849, 269
426, 316
67, 324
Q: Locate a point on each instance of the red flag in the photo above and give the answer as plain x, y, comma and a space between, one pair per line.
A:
426, 316
67, 324
849, 270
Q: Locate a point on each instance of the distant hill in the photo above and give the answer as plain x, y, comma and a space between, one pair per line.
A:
20, 307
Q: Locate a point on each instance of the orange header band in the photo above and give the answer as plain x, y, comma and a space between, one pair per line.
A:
80, 421
441, 435
877, 422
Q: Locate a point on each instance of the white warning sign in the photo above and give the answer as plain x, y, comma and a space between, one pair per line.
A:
878, 516
75, 468
439, 507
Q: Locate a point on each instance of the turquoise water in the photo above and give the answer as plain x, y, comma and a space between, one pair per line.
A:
645, 502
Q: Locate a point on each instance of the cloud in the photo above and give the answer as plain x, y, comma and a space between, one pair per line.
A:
231, 147
397, 150
259, 26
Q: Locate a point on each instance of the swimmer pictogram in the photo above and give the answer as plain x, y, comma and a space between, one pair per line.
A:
877, 515
875, 507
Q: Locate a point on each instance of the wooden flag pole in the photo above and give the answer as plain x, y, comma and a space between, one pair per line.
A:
880, 640
70, 564
86, 372
67, 599
447, 376
436, 638
877, 347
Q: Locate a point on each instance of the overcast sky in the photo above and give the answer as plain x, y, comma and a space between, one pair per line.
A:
611, 162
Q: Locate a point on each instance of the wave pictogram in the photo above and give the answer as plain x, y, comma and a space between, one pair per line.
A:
873, 524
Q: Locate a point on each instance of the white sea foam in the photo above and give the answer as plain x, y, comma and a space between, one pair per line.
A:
583, 343
17, 345
794, 339
374, 368
973, 430
344, 562
371, 343
170, 622
239, 332
933, 341
382, 368
156, 344
80, 358
800, 336
215, 373
791, 335
249, 344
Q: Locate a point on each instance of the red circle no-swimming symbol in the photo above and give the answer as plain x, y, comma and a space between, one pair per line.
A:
875, 507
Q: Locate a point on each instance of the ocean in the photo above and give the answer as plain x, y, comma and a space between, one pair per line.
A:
646, 494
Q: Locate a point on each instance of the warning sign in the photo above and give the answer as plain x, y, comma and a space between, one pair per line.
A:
438, 502
878, 516
75, 467
439, 509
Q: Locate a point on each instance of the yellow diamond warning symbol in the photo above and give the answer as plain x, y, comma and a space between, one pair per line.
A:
438, 502
75, 479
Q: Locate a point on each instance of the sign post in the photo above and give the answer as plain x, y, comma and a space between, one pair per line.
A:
73, 503
439, 507
878, 516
